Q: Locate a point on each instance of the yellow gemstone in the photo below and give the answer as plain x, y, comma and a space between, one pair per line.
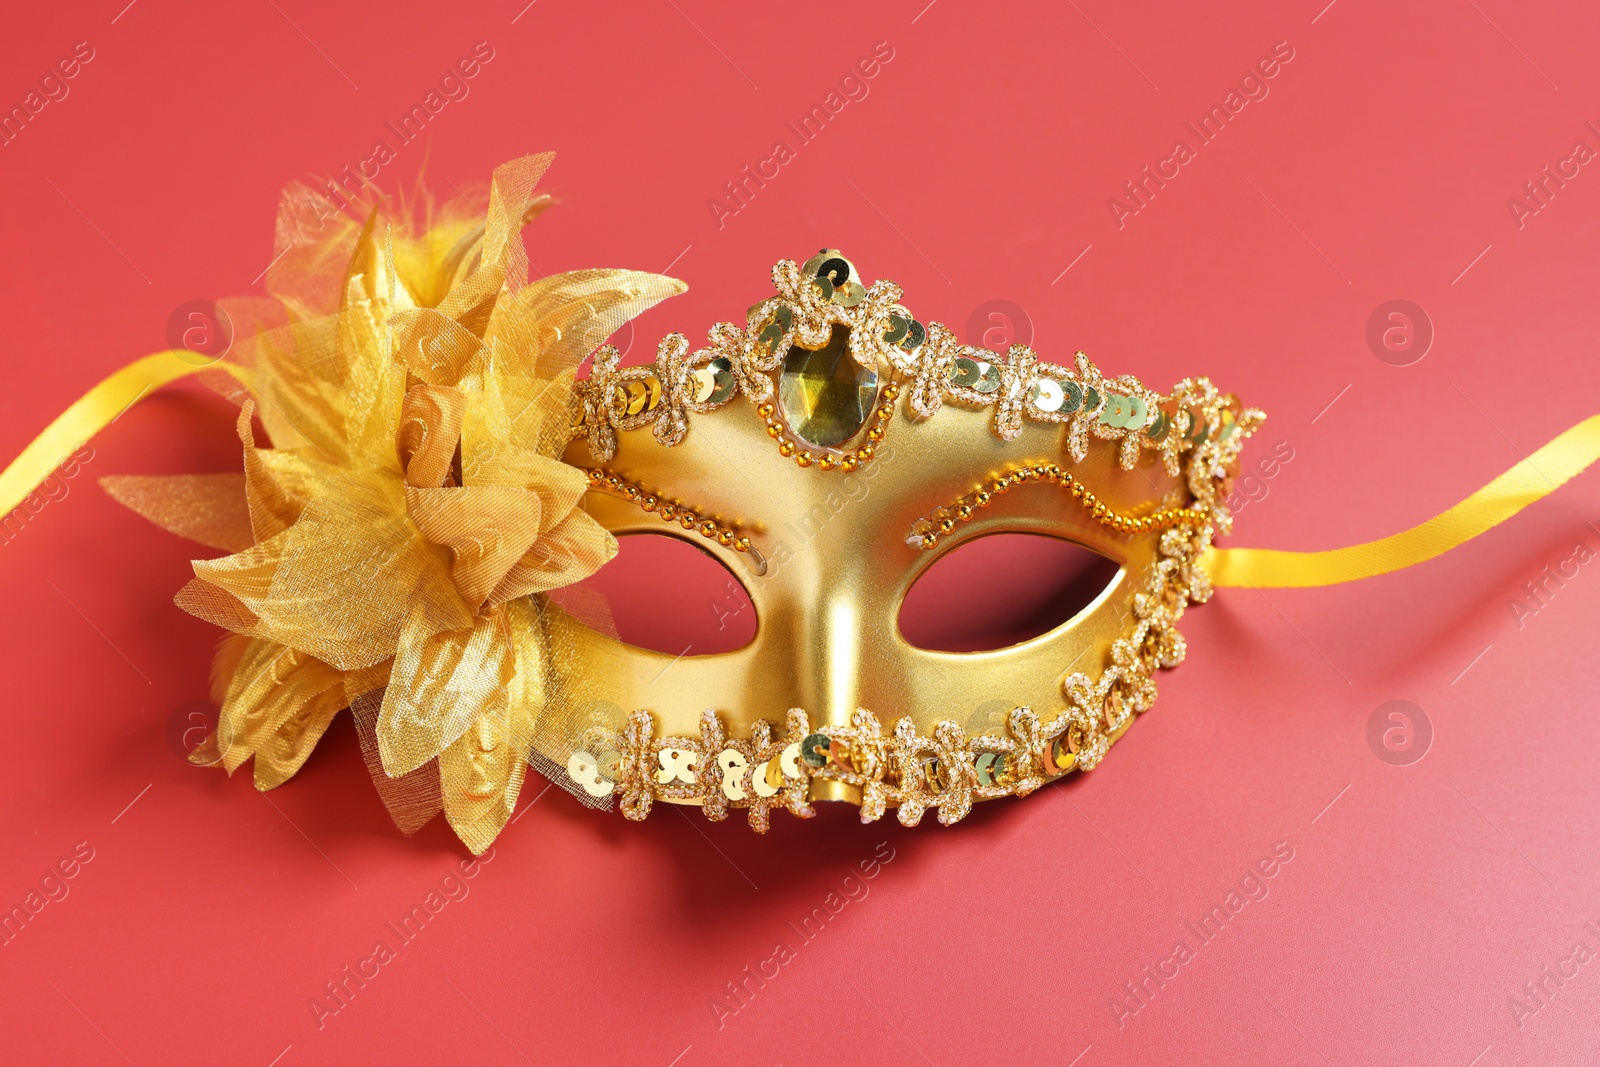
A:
826, 394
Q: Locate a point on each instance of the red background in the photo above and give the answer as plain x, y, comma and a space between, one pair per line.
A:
978, 167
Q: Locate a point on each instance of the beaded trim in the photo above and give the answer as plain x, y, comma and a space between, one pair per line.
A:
945, 769
669, 511
1194, 421
925, 532
825, 458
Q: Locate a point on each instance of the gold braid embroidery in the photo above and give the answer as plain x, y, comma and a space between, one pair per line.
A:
945, 769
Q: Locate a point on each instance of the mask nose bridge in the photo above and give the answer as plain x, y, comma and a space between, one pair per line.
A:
841, 624
837, 652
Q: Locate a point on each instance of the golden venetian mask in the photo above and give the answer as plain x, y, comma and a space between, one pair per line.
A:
439, 475
828, 450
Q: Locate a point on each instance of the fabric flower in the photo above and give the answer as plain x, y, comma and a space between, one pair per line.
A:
394, 545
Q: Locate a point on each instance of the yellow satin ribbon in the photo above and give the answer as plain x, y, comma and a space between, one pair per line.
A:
1533, 479
97, 409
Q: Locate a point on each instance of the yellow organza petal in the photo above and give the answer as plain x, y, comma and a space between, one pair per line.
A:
430, 430
208, 508
510, 199
278, 483
441, 685
302, 386
217, 606
483, 771
572, 551
535, 340
313, 243
487, 528
411, 799
561, 318
374, 384
270, 685
435, 348
248, 574
346, 577
286, 750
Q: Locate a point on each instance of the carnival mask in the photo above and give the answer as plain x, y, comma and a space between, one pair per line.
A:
836, 447
439, 474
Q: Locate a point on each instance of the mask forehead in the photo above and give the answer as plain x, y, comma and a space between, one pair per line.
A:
838, 564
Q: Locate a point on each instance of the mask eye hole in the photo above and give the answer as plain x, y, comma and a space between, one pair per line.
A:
667, 595
1001, 590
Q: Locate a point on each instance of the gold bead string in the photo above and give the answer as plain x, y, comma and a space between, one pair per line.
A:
789, 447
669, 511
944, 520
